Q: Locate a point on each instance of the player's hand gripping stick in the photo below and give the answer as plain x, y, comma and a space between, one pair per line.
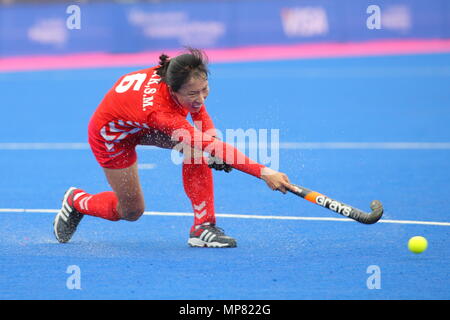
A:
339, 207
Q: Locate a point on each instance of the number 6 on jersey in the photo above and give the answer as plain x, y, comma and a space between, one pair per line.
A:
128, 81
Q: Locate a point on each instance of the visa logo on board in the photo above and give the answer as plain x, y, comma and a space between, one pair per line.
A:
304, 21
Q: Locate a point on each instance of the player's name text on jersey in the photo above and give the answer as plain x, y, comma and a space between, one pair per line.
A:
149, 91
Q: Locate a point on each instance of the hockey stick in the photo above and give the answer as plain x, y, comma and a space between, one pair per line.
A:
339, 207
322, 200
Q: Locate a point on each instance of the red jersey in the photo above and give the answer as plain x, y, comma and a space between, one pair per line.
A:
140, 102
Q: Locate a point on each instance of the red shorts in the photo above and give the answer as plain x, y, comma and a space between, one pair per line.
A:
113, 154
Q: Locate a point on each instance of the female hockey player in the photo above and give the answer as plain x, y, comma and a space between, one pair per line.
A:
149, 107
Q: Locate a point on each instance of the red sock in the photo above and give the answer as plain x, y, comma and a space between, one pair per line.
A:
102, 205
198, 185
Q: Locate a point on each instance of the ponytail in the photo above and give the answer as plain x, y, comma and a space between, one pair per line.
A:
164, 61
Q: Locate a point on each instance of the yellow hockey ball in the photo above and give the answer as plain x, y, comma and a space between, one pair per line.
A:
417, 244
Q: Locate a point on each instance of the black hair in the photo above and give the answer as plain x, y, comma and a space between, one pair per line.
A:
177, 71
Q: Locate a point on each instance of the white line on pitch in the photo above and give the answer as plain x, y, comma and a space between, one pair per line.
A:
244, 216
146, 166
282, 145
43, 146
367, 145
